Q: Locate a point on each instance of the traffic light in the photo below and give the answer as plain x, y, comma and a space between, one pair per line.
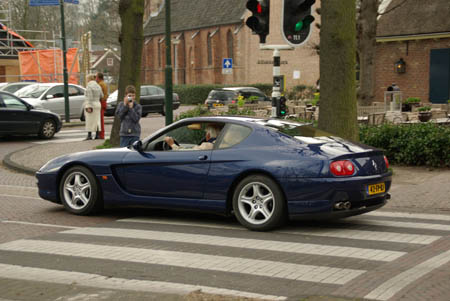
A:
259, 21
283, 107
297, 21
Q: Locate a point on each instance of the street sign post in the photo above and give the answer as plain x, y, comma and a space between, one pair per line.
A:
227, 66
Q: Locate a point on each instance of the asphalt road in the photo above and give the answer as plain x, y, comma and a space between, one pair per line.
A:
135, 254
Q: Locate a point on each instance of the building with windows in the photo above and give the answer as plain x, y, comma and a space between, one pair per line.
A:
415, 52
204, 32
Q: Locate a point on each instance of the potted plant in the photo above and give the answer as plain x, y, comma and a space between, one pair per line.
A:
424, 113
409, 103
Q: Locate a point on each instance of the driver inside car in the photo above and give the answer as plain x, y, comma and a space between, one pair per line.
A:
210, 137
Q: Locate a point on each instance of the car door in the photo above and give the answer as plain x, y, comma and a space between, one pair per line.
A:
174, 175
53, 100
144, 99
76, 100
167, 174
15, 117
155, 99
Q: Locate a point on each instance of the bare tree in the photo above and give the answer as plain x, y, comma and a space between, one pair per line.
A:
337, 68
131, 41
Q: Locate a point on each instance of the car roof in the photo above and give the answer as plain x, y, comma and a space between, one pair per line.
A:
240, 88
248, 120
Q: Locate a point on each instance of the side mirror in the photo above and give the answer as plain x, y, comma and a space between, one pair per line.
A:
49, 97
137, 145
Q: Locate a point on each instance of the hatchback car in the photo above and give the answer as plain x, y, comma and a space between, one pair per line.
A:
229, 95
17, 117
261, 170
152, 100
50, 96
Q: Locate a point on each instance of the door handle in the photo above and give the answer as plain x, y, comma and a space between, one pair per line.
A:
202, 158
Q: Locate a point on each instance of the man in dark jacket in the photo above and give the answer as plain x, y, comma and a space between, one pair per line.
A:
129, 112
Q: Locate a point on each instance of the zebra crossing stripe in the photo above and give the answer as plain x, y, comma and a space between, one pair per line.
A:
389, 288
395, 224
256, 267
368, 235
313, 231
246, 243
438, 217
99, 281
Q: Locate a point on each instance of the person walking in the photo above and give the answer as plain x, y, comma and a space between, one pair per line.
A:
92, 107
129, 112
101, 83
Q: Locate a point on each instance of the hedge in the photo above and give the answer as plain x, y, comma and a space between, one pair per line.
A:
415, 144
197, 94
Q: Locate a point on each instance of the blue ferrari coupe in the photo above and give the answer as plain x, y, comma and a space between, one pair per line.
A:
264, 171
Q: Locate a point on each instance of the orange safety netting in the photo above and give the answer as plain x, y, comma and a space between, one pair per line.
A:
46, 66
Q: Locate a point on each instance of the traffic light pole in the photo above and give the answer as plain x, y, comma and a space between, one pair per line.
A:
276, 89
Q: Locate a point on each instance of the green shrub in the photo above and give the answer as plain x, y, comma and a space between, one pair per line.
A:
199, 110
301, 92
412, 100
424, 109
416, 144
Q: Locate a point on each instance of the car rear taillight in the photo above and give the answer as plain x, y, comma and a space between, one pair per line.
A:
342, 168
386, 161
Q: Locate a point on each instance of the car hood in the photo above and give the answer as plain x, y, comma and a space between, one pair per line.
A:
35, 102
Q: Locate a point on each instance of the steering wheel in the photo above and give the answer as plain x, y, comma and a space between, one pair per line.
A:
167, 147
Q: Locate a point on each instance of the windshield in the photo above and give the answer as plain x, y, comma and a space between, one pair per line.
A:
222, 95
32, 91
294, 129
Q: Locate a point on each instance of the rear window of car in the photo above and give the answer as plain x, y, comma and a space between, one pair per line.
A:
222, 95
32, 91
294, 129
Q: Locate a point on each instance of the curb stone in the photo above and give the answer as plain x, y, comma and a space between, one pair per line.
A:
17, 167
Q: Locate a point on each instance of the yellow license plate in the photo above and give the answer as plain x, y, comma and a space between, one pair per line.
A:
217, 105
376, 188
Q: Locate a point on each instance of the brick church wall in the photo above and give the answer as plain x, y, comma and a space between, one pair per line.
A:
250, 65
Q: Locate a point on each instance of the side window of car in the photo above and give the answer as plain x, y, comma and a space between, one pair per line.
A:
234, 134
144, 91
56, 92
155, 91
73, 91
13, 103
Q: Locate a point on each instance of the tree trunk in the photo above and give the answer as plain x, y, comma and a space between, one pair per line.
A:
366, 36
337, 69
131, 41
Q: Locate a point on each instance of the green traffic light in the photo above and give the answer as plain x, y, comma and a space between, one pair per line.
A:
304, 23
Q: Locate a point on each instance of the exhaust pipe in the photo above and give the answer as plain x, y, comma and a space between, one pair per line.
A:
347, 205
339, 205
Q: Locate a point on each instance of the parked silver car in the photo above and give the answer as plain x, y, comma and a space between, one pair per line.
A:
50, 96
14, 87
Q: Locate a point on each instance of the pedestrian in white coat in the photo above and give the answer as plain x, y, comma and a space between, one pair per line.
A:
92, 107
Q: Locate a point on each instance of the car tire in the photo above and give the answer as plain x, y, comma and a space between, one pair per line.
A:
82, 117
163, 112
48, 129
259, 204
79, 191
144, 115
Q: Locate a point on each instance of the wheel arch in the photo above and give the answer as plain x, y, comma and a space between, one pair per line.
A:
230, 192
66, 167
